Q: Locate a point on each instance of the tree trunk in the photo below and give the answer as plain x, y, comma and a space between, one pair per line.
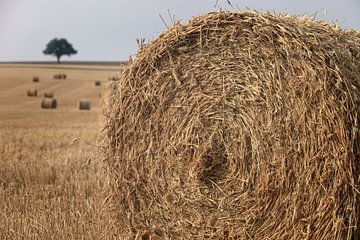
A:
58, 59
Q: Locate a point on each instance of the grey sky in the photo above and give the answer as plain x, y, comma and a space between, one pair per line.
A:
108, 29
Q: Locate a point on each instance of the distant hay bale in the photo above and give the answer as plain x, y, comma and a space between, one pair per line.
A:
239, 126
114, 78
60, 76
49, 103
36, 79
97, 83
84, 104
48, 94
32, 92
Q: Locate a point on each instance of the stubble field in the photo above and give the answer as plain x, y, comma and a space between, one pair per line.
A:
52, 182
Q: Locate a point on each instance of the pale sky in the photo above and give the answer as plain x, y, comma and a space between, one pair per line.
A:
107, 29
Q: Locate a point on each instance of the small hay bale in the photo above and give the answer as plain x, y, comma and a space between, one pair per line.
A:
97, 83
32, 93
239, 126
49, 94
36, 79
60, 76
84, 104
114, 78
49, 103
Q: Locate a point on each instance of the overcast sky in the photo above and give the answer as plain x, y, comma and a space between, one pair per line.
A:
108, 29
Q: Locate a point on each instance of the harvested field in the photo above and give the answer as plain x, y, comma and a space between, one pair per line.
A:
52, 184
239, 126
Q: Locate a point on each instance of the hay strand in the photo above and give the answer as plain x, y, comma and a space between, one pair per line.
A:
60, 76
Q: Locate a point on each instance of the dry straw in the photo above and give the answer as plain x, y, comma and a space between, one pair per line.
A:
32, 92
130, 61
239, 126
49, 103
48, 94
84, 104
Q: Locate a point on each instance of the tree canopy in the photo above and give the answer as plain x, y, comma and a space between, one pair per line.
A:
59, 48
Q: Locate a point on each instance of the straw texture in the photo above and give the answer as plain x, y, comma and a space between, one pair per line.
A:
239, 126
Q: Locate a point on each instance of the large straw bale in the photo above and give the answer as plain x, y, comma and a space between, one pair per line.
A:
49, 103
239, 126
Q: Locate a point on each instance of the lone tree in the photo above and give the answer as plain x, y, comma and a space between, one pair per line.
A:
58, 48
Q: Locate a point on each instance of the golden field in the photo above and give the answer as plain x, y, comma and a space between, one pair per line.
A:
52, 182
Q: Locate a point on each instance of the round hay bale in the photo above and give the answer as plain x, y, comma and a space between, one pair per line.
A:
32, 92
97, 83
239, 126
49, 103
84, 104
48, 94
36, 79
